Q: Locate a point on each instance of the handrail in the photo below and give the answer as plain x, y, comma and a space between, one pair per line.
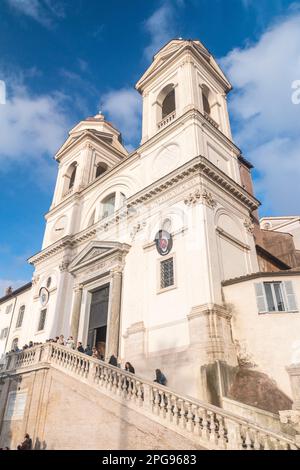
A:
204, 423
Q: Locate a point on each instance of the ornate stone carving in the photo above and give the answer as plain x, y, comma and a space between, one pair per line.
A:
35, 280
244, 358
200, 197
137, 228
93, 253
64, 266
291, 421
249, 225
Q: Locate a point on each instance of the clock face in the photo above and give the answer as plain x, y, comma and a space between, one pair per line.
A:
60, 227
44, 296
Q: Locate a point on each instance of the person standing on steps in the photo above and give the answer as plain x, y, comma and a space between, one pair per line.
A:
160, 377
70, 343
129, 368
113, 361
61, 340
26, 444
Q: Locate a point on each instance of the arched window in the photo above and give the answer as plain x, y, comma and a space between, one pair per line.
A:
101, 168
92, 219
123, 200
108, 206
20, 316
205, 99
72, 176
168, 104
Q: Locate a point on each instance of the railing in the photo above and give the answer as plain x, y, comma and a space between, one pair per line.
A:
166, 121
204, 424
211, 120
67, 192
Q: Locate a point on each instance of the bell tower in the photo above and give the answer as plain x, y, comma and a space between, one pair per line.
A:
183, 76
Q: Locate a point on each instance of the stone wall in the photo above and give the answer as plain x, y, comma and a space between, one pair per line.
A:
63, 413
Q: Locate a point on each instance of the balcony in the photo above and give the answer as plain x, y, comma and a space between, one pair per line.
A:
68, 192
211, 120
166, 120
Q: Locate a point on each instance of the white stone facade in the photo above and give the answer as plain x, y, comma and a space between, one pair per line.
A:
185, 178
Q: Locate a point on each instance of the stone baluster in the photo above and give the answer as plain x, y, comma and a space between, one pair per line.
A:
156, 401
139, 393
221, 432
266, 444
114, 382
205, 424
256, 442
169, 414
147, 398
234, 435
162, 405
197, 418
175, 411
181, 417
190, 422
248, 442
212, 426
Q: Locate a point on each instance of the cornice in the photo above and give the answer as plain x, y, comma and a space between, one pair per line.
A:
86, 135
179, 121
188, 49
197, 166
195, 113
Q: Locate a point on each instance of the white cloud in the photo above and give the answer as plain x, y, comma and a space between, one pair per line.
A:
42, 11
31, 126
161, 28
123, 108
267, 121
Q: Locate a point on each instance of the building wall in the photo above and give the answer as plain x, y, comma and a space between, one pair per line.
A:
10, 320
270, 340
62, 413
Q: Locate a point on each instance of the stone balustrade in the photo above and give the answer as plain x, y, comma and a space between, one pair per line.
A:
211, 120
167, 120
204, 424
68, 192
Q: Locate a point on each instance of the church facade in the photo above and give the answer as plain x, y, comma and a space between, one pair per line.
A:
158, 256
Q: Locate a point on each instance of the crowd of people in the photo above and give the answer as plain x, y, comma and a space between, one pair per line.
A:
93, 352
25, 445
97, 353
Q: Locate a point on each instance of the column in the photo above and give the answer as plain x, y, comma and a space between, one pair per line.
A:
76, 311
114, 315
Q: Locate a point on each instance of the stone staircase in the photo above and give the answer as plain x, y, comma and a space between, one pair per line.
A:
201, 424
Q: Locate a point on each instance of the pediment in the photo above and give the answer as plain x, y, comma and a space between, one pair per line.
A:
95, 251
171, 49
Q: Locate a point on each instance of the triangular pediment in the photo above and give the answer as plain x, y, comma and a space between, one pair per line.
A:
174, 47
95, 251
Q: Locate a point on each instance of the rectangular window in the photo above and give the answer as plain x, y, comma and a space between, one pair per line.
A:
20, 317
4, 333
275, 297
166, 273
8, 309
42, 320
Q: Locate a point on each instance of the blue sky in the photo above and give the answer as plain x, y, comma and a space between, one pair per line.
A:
64, 60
